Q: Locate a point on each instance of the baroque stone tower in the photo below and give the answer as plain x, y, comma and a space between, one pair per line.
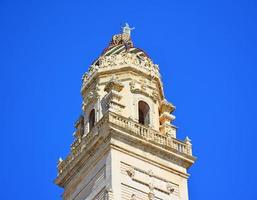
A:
125, 145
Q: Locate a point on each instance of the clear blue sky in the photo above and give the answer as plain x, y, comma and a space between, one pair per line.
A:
207, 55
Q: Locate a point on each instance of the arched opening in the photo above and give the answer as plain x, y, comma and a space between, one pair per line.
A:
91, 119
143, 113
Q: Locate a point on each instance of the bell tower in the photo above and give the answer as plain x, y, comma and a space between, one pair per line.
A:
125, 145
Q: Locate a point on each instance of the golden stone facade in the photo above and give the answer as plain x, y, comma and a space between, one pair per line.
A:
125, 145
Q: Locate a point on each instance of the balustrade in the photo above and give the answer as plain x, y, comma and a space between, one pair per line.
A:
134, 128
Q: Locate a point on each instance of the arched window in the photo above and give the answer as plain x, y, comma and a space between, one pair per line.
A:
143, 113
91, 119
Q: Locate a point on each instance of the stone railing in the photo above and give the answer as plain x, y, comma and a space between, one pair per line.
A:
133, 128
79, 145
149, 134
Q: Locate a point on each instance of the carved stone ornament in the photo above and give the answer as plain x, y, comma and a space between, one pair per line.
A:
109, 193
122, 38
60, 164
143, 84
112, 98
112, 61
150, 173
141, 88
133, 197
170, 188
187, 140
131, 172
114, 84
151, 187
79, 125
126, 29
132, 85
166, 107
155, 95
91, 96
128, 58
125, 58
85, 75
60, 161
151, 195
166, 117
108, 188
168, 130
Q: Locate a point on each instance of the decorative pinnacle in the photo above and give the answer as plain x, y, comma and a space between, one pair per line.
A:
60, 161
187, 140
126, 29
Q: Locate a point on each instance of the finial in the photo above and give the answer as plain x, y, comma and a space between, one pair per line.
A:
60, 161
187, 140
126, 29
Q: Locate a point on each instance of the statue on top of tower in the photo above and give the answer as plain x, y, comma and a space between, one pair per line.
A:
123, 38
126, 29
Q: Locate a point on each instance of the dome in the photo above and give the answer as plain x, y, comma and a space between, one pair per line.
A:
121, 55
121, 44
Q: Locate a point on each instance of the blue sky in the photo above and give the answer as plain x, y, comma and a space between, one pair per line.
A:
206, 51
